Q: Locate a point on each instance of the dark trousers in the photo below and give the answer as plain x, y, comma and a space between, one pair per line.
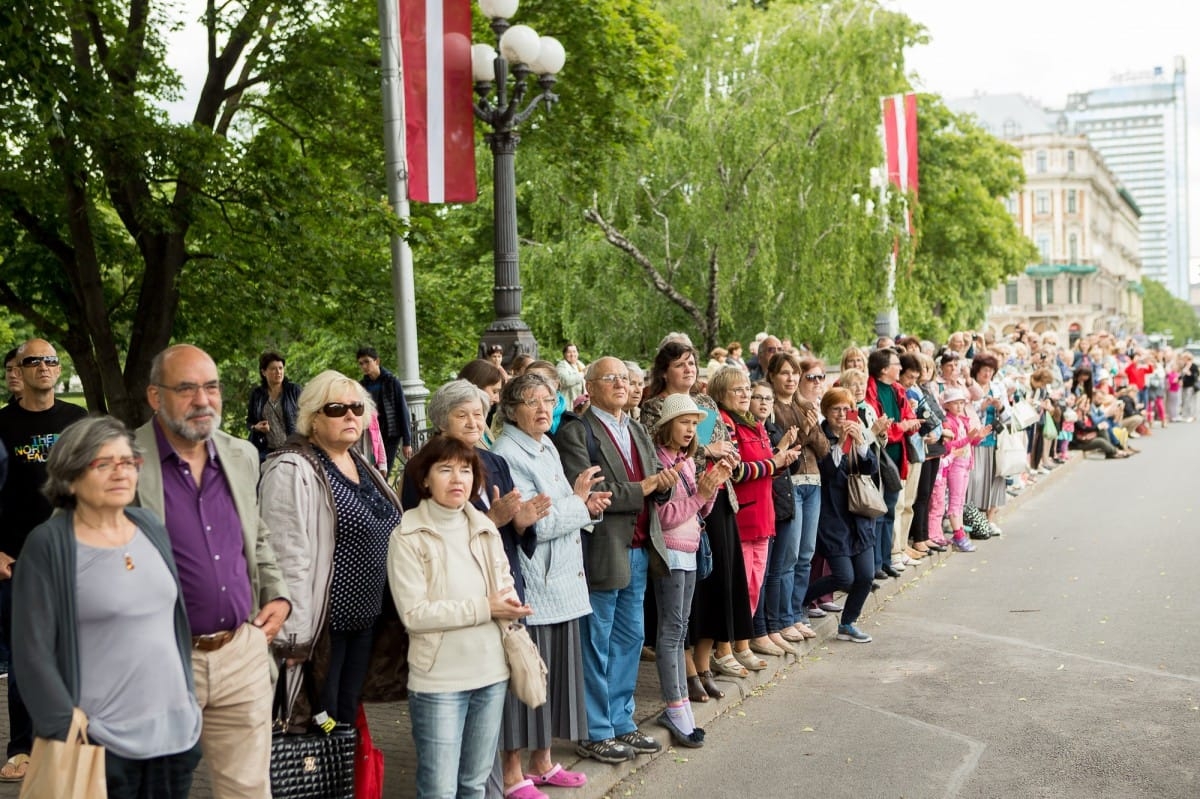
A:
852, 574
919, 531
349, 659
391, 446
20, 725
166, 777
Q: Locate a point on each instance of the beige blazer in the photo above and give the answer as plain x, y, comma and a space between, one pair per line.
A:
239, 460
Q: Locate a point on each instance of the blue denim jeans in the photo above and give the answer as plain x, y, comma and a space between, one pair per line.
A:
808, 511
885, 529
612, 646
456, 735
674, 595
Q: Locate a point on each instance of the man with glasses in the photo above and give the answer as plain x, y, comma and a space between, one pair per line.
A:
28, 429
202, 483
766, 350
618, 555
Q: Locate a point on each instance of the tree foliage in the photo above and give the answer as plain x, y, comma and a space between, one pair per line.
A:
1166, 314
967, 242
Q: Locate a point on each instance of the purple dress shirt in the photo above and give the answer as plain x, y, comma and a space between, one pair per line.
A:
207, 541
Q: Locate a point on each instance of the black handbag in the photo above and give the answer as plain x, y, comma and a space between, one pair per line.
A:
316, 763
889, 472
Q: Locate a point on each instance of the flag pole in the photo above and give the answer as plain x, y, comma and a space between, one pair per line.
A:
403, 286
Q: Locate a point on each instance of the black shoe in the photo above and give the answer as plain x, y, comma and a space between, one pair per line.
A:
692, 741
640, 743
880, 574
610, 750
874, 587
888, 571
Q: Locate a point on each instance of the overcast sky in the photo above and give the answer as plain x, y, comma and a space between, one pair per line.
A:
1047, 49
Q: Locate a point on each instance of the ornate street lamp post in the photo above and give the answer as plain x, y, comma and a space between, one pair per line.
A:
523, 54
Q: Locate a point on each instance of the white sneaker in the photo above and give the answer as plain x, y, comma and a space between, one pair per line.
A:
898, 564
996, 531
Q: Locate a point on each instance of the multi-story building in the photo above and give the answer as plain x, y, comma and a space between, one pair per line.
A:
1085, 227
1139, 126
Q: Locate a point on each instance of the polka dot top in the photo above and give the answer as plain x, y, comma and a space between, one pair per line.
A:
365, 521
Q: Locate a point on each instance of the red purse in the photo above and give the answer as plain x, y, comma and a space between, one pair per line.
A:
368, 762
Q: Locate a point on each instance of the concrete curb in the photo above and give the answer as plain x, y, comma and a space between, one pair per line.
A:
603, 778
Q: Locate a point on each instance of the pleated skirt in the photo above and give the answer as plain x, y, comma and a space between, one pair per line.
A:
721, 604
986, 489
564, 715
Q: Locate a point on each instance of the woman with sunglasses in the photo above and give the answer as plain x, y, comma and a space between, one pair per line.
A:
330, 514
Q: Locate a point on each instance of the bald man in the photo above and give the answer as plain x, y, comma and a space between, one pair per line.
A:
28, 429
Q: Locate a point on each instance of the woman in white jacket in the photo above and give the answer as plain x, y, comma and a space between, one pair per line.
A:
451, 583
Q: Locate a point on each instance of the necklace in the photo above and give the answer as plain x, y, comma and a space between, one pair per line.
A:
126, 557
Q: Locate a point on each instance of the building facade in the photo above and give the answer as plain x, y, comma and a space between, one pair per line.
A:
1139, 126
1084, 224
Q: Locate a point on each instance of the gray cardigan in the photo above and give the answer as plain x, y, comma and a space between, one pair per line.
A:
44, 619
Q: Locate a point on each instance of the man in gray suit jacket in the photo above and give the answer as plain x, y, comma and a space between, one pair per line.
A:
202, 483
618, 556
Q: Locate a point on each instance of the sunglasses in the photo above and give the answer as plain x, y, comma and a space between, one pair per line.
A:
38, 360
814, 378
336, 410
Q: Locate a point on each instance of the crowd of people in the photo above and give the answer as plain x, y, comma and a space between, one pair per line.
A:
697, 515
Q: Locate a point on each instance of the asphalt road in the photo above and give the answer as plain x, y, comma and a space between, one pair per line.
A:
1058, 661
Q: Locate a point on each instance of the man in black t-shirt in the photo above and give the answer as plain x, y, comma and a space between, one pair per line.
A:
28, 429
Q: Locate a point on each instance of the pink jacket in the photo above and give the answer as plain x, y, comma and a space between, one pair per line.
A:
680, 515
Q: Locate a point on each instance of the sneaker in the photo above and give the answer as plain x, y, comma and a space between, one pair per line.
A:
963, 545
639, 742
848, 632
610, 750
816, 612
897, 564
994, 530
831, 607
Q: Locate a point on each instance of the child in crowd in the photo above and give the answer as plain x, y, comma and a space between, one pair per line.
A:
1066, 432
961, 434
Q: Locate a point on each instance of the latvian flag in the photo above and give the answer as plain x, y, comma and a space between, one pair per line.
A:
900, 144
435, 43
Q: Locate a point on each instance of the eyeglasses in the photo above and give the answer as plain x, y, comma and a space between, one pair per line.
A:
336, 410
189, 390
741, 390
815, 378
762, 398
37, 360
611, 379
534, 403
840, 409
107, 465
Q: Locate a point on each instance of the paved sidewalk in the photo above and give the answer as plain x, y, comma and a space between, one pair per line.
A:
391, 729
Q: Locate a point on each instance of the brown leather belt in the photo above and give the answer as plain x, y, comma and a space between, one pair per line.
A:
212, 642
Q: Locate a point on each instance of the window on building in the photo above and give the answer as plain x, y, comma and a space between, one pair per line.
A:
1037, 295
1074, 290
1072, 201
1073, 247
1041, 161
1041, 202
1010, 292
1049, 291
1010, 203
1070, 160
1043, 245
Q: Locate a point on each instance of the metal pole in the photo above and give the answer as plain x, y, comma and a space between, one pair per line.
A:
403, 287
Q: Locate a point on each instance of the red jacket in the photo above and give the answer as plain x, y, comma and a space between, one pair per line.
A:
752, 479
895, 434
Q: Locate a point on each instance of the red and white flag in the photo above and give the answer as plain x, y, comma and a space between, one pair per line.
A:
435, 45
900, 143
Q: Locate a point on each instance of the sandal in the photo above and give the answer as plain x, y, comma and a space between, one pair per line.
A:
696, 692
559, 777
749, 660
729, 666
710, 685
14, 768
524, 790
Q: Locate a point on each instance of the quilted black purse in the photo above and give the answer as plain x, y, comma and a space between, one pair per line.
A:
315, 764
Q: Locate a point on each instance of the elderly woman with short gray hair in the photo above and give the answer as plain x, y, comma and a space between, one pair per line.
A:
100, 618
330, 513
555, 586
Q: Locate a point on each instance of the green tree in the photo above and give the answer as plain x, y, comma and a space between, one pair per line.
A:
1165, 314
967, 242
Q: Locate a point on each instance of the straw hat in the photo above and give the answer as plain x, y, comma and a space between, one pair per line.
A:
676, 405
953, 395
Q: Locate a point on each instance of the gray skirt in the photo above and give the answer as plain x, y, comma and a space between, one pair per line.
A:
564, 715
986, 489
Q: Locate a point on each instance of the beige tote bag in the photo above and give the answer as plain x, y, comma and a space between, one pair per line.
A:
70, 769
